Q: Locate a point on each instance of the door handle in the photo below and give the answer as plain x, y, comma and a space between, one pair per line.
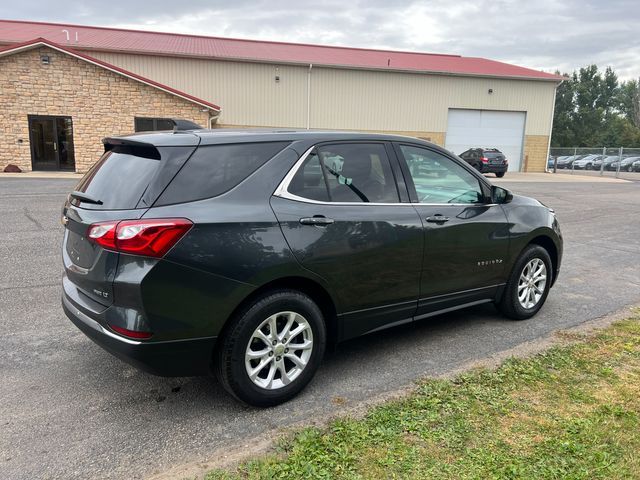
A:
437, 219
317, 220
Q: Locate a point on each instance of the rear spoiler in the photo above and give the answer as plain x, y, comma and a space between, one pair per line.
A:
125, 145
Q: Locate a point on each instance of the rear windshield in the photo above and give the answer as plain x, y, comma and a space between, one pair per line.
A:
215, 169
492, 154
118, 180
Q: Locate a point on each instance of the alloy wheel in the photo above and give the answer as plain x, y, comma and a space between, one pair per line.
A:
279, 350
532, 282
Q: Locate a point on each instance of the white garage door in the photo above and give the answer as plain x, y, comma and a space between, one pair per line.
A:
487, 128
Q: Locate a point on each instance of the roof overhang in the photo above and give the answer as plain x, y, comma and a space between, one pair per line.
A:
41, 42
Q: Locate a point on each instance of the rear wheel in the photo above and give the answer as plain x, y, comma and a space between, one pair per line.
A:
528, 284
499, 174
272, 348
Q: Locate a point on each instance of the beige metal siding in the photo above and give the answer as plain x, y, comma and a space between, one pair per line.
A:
247, 92
341, 98
413, 102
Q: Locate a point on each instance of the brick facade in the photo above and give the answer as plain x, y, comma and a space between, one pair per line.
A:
535, 153
100, 102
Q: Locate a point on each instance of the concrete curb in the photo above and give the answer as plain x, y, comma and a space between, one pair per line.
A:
49, 175
554, 178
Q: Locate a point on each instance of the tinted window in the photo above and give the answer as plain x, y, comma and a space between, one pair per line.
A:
215, 169
118, 180
358, 173
439, 179
309, 181
151, 124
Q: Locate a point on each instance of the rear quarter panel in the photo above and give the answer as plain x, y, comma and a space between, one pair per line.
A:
235, 247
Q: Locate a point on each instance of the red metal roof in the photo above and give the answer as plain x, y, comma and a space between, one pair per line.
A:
145, 42
19, 47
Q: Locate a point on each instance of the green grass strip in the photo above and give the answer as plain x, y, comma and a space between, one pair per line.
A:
572, 412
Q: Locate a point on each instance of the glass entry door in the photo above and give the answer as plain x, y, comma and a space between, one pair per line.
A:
51, 141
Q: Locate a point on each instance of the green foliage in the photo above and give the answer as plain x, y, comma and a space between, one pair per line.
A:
594, 109
571, 412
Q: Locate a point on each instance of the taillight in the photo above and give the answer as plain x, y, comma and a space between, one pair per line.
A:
150, 238
104, 234
131, 333
484, 160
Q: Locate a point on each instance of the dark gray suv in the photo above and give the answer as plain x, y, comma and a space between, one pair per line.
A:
246, 252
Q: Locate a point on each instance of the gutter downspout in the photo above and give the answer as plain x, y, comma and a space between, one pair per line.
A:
213, 118
309, 96
553, 114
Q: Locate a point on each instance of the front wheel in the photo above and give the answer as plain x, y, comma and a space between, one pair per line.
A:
528, 284
499, 174
272, 348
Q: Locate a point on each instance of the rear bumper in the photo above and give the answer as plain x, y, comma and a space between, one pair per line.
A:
488, 168
173, 358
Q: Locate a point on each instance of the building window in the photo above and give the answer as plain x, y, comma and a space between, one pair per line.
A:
144, 124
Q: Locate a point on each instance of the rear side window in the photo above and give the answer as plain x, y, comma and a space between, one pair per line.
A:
118, 180
309, 181
352, 173
215, 169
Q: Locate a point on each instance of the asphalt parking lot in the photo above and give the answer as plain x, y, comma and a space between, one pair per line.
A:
70, 410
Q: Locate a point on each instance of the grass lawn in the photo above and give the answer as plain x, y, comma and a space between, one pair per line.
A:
572, 412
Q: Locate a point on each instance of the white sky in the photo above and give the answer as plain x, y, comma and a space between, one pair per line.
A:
543, 34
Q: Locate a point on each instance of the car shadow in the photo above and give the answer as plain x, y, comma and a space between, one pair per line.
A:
346, 364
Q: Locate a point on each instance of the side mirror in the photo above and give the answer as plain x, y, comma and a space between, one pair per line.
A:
500, 195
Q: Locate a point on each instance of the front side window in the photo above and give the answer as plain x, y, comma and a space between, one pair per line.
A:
439, 179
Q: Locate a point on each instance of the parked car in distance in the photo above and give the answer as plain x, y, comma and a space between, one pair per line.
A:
635, 166
608, 160
560, 164
240, 252
625, 164
585, 163
568, 161
486, 160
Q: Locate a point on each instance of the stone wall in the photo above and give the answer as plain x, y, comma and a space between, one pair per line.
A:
101, 103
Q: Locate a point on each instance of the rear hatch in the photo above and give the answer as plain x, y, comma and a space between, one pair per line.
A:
495, 158
123, 184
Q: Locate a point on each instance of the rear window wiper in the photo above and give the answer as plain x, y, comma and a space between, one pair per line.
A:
83, 197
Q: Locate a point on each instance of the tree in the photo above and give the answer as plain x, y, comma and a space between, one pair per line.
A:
564, 109
629, 101
593, 109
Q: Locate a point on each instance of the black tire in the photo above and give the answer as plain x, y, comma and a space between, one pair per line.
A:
500, 174
230, 351
588, 167
509, 304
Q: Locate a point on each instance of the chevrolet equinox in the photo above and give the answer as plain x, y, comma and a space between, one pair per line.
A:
246, 252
